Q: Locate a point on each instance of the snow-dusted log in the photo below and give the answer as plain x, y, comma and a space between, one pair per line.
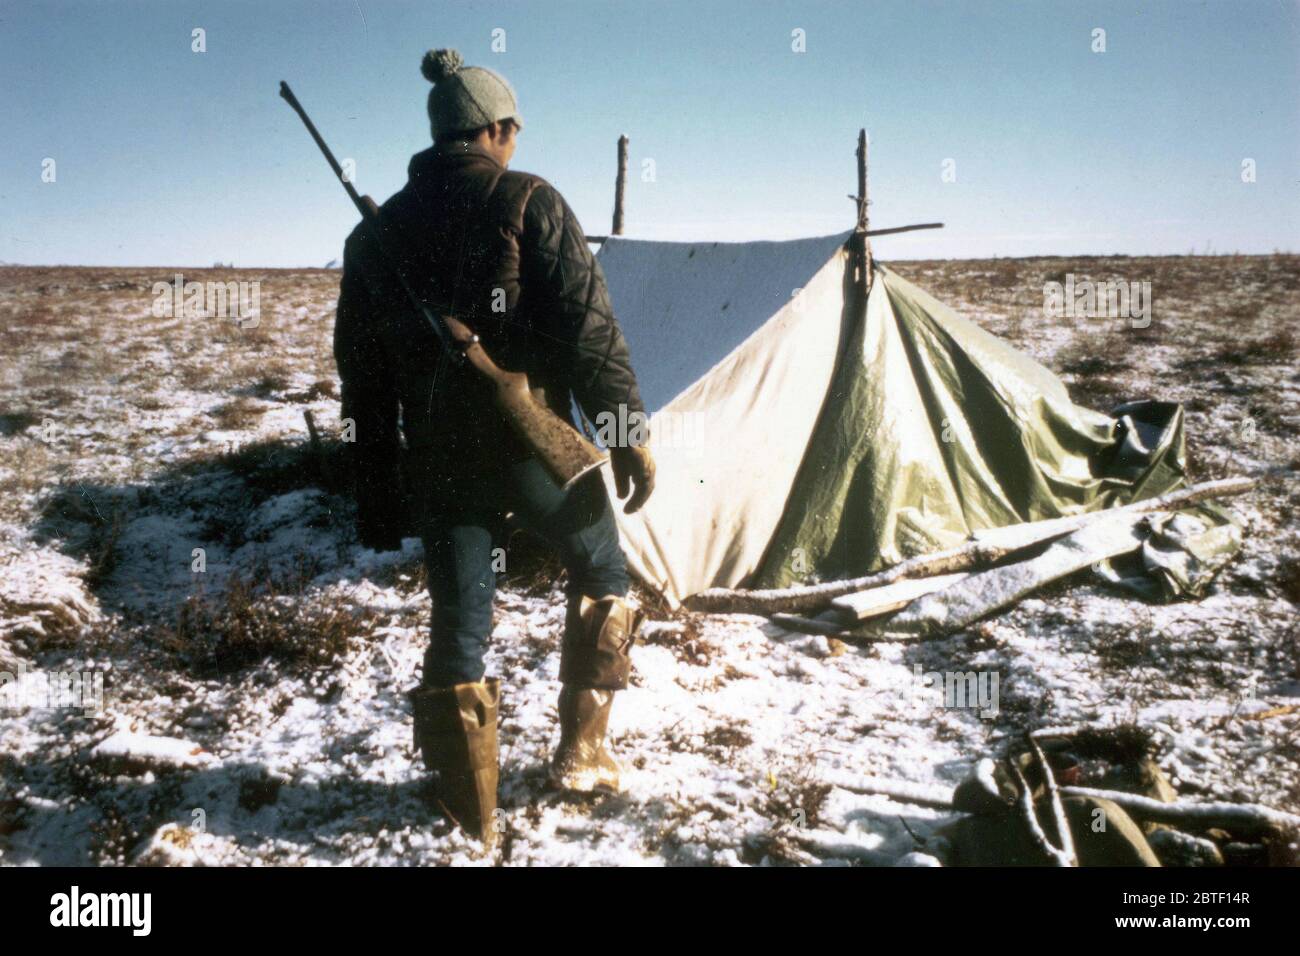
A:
919, 794
821, 845
876, 602
977, 596
984, 548
810, 598
1235, 817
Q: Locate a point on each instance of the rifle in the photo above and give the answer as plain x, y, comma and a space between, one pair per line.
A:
565, 453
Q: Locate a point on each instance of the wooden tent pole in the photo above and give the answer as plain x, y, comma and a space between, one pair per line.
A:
862, 179
861, 229
619, 185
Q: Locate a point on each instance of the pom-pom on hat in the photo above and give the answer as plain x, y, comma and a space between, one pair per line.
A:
463, 97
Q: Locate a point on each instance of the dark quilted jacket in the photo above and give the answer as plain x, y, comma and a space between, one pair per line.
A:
504, 252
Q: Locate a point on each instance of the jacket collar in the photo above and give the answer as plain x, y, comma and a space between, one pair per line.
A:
450, 155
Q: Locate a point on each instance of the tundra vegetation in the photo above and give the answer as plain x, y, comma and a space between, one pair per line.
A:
165, 521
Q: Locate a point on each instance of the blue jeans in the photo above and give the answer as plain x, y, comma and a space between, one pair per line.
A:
463, 525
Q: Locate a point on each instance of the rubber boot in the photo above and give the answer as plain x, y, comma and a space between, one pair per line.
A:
456, 732
595, 662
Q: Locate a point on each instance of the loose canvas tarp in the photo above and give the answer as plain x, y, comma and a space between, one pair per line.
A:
798, 439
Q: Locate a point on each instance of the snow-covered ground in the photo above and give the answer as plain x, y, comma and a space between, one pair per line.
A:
253, 711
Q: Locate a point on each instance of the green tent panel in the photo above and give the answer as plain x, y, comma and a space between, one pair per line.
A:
799, 439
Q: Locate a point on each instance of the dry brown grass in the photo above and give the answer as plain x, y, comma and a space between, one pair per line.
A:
240, 414
253, 620
1276, 346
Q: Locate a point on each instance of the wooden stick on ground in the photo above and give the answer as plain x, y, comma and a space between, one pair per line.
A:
1243, 818
904, 791
1058, 809
1026, 803
827, 623
317, 449
986, 548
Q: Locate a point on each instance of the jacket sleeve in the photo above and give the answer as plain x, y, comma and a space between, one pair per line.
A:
565, 288
369, 395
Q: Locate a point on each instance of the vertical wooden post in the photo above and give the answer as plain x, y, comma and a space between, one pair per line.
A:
862, 246
620, 185
862, 179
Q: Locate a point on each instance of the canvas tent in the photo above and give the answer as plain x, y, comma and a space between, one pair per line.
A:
800, 437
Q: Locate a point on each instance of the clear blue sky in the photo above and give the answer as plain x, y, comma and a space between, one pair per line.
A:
169, 157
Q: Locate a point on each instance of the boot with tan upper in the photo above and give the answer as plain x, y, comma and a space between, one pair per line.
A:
456, 732
595, 662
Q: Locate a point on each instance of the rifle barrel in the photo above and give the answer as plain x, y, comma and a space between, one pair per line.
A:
320, 142
370, 213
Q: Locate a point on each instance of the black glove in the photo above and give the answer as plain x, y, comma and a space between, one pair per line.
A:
634, 465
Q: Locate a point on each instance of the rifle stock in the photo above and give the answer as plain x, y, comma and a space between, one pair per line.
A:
557, 444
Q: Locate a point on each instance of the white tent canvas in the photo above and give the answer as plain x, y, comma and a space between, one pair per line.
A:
734, 345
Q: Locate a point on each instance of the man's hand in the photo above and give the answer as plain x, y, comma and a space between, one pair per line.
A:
633, 464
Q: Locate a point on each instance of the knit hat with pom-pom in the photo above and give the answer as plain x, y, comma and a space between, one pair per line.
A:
465, 98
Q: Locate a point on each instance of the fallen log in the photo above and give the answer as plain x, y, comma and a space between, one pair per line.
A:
979, 595
984, 548
812, 597
846, 614
875, 602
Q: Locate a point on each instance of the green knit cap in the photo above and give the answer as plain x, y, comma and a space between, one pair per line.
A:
465, 97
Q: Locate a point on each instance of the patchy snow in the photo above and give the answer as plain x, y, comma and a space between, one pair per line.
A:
126, 746
733, 733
